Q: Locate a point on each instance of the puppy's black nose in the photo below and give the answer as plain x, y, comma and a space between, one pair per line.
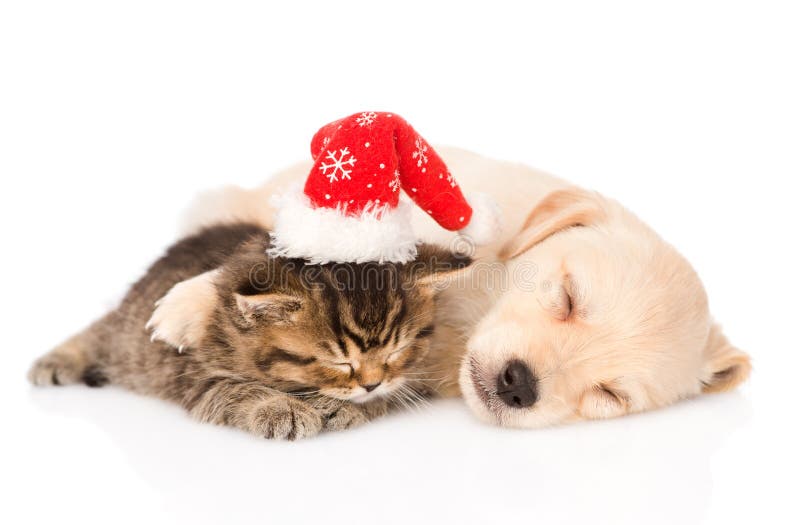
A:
516, 385
373, 386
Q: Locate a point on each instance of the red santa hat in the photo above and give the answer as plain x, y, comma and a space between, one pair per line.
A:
350, 209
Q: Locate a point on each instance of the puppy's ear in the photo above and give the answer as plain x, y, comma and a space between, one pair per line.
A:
181, 317
434, 267
274, 308
726, 367
558, 211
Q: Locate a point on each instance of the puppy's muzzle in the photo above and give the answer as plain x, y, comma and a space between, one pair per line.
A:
516, 385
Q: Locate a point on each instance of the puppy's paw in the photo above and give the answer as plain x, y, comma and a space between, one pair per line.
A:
56, 369
180, 317
285, 418
346, 416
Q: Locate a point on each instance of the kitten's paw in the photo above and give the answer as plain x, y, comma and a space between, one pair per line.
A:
285, 418
376, 409
55, 369
346, 416
180, 317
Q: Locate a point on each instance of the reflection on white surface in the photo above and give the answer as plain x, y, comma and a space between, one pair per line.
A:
435, 464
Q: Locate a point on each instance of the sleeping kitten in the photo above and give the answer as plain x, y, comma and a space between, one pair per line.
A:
284, 349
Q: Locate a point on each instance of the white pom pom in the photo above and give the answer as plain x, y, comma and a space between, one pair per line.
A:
486, 222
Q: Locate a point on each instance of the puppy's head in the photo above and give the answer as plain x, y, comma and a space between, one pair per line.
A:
604, 319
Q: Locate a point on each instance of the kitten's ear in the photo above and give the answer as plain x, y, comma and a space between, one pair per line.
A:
435, 267
270, 307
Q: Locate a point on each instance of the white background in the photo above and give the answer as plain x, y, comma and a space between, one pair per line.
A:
113, 114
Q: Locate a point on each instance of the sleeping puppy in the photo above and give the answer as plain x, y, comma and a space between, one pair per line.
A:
618, 324
579, 310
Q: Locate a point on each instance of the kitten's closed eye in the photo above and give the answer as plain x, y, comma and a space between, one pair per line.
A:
425, 332
345, 368
394, 356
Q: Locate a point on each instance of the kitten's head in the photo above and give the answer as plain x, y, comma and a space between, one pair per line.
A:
348, 331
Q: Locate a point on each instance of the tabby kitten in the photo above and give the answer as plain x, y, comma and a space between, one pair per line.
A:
279, 348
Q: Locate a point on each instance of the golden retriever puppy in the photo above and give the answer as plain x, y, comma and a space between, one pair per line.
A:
578, 311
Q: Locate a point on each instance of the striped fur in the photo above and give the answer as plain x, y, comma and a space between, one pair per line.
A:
288, 350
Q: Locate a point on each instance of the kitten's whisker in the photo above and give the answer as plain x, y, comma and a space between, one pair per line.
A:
404, 399
421, 399
397, 399
414, 397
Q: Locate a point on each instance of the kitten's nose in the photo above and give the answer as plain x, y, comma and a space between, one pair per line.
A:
516, 385
373, 386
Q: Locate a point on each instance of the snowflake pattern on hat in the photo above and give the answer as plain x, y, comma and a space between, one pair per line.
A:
333, 164
366, 118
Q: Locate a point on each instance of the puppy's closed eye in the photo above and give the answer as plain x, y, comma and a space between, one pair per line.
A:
604, 401
567, 304
614, 395
559, 303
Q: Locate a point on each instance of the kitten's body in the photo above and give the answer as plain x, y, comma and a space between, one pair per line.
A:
261, 345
